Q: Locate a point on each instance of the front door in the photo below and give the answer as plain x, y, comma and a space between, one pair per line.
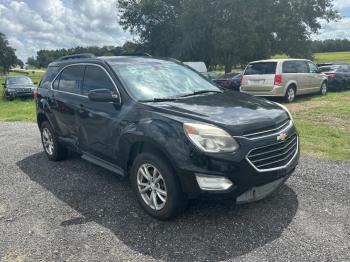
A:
99, 121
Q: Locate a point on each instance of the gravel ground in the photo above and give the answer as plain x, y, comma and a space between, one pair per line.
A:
75, 211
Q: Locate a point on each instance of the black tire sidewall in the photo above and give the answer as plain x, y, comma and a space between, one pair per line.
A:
175, 199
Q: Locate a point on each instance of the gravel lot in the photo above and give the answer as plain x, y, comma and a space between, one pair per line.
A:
74, 211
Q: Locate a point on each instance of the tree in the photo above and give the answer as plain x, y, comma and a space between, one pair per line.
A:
229, 32
7, 54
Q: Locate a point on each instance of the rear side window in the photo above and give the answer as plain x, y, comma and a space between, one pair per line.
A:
302, 67
71, 79
262, 68
290, 67
96, 78
49, 76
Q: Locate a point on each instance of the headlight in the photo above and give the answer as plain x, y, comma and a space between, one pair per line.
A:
11, 90
210, 139
285, 109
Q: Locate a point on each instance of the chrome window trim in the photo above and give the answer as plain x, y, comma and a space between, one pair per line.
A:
275, 168
84, 64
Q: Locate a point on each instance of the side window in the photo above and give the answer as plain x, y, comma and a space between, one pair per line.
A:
71, 79
290, 67
302, 67
96, 78
50, 74
313, 68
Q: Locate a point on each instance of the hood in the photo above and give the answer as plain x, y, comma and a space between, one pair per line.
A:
237, 113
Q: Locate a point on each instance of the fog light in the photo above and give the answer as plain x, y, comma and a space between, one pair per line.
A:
213, 183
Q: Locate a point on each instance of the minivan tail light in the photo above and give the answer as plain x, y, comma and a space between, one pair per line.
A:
278, 80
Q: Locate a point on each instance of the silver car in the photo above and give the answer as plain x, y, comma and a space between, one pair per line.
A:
283, 78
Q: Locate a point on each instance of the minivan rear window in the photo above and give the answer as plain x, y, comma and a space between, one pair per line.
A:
261, 68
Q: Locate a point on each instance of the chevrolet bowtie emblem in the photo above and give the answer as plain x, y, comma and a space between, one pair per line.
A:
282, 137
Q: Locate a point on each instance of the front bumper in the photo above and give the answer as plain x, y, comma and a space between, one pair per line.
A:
19, 94
249, 183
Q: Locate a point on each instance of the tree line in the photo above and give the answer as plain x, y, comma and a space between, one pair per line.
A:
331, 45
226, 32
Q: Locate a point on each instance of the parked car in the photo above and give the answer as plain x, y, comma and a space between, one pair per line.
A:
18, 86
338, 76
200, 67
230, 81
172, 132
283, 78
331, 63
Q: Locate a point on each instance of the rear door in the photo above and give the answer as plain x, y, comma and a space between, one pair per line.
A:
99, 121
259, 77
65, 99
303, 77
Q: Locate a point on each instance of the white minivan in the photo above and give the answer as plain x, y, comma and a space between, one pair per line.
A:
283, 78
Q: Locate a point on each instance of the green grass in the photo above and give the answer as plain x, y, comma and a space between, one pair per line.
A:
325, 57
18, 110
324, 125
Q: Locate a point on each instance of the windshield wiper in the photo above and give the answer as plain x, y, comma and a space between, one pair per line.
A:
165, 99
202, 92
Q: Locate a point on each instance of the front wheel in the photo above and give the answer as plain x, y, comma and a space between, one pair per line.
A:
324, 89
156, 187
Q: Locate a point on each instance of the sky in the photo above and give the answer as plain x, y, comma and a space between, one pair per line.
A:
32, 25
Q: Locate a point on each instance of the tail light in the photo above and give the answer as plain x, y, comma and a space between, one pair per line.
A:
331, 76
241, 82
35, 93
278, 80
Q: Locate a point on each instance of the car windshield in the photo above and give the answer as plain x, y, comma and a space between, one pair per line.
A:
328, 68
151, 80
19, 81
261, 68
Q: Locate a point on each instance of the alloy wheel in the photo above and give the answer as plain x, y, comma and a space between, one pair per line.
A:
151, 186
291, 94
48, 141
324, 89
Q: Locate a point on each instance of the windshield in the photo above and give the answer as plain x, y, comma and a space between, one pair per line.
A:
160, 80
19, 81
262, 68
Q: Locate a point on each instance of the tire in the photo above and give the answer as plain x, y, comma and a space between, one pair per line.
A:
324, 89
10, 98
53, 149
166, 193
290, 94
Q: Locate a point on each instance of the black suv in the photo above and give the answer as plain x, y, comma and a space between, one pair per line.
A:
175, 134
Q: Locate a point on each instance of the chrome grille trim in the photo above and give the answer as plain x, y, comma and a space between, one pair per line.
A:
288, 124
289, 150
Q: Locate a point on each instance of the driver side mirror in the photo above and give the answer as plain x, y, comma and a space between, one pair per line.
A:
103, 95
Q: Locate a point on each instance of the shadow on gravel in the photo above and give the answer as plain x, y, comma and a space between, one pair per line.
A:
207, 231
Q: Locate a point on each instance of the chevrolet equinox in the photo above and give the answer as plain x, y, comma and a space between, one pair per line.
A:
172, 132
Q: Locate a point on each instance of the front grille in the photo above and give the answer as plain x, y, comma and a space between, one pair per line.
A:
274, 156
269, 131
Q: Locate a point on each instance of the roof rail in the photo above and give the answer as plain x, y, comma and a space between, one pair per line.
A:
76, 56
136, 54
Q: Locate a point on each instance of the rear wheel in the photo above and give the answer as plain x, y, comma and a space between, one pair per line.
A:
156, 187
53, 149
290, 94
324, 89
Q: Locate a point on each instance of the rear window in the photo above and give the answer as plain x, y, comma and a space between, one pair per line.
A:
328, 68
261, 68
